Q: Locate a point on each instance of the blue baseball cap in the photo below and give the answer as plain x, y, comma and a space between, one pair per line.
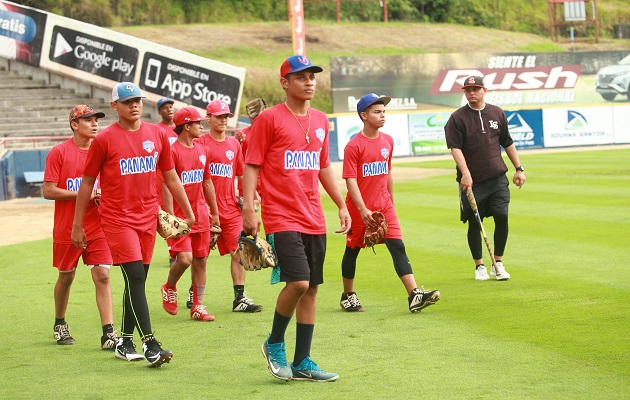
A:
297, 63
125, 91
370, 99
164, 100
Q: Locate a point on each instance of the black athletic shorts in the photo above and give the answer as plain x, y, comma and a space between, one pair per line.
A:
301, 256
492, 196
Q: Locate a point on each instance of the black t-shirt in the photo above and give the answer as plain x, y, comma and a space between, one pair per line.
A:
479, 134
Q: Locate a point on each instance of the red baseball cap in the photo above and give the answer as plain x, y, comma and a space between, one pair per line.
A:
218, 107
187, 115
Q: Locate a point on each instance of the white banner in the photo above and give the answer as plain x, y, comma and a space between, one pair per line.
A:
396, 126
579, 126
621, 124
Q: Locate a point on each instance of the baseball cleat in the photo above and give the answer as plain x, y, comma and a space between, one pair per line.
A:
276, 357
502, 274
154, 354
309, 371
62, 335
126, 349
169, 300
419, 299
199, 313
244, 304
481, 273
189, 302
350, 302
109, 341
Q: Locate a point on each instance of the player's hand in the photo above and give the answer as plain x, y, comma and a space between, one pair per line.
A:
214, 220
368, 220
466, 182
519, 179
78, 238
190, 221
251, 222
344, 220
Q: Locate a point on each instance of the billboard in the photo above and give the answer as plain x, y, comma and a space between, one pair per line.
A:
526, 128
21, 33
426, 133
427, 82
397, 126
579, 126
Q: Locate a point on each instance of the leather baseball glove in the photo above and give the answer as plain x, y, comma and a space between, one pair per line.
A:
375, 235
255, 253
215, 232
255, 107
170, 226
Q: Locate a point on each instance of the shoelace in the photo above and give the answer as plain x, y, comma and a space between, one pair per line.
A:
311, 365
64, 333
171, 296
354, 300
278, 355
246, 300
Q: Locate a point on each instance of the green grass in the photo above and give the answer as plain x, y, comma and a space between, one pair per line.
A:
558, 329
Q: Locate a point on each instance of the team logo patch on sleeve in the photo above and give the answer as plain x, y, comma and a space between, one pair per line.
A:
202, 158
148, 146
321, 134
229, 154
385, 153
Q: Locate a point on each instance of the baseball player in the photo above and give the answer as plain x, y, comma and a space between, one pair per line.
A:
62, 177
226, 163
166, 111
289, 150
126, 154
366, 168
475, 134
193, 168
254, 108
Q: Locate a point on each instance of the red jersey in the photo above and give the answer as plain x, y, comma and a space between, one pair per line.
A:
64, 166
193, 169
172, 138
369, 161
127, 162
225, 163
289, 168
170, 132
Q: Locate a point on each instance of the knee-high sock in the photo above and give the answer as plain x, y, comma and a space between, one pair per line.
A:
135, 307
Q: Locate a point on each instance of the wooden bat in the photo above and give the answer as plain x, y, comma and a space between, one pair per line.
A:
473, 205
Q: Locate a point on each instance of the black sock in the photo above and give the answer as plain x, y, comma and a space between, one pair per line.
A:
60, 321
109, 328
239, 291
303, 339
279, 327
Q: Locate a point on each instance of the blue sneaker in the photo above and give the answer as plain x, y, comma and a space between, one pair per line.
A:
309, 371
276, 357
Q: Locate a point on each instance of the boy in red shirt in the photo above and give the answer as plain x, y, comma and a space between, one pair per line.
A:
62, 178
367, 164
288, 148
192, 166
126, 154
226, 164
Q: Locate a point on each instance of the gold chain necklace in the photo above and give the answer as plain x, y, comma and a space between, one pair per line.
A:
308, 114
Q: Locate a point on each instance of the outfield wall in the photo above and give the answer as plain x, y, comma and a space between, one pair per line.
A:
422, 133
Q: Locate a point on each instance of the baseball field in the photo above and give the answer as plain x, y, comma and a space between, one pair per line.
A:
559, 329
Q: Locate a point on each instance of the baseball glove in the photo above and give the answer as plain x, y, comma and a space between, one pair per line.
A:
215, 232
170, 226
255, 107
255, 254
375, 235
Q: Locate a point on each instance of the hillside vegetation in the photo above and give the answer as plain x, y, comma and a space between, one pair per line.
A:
261, 47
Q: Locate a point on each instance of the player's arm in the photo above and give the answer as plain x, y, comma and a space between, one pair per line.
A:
211, 200
179, 194
327, 178
466, 181
85, 193
251, 221
167, 198
519, 176
51, 191
357, 199
390, 185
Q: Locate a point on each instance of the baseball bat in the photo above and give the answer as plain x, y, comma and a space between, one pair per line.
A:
473, 205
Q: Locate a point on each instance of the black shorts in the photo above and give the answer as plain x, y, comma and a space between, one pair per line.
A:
492, 196
301, 256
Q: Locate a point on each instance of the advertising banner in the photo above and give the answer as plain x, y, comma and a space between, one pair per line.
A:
21, 33
397, 126
526, 128
580, 126
426, 133
516, 80
621, 124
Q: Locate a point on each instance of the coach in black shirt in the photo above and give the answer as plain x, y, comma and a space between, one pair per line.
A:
475, 134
